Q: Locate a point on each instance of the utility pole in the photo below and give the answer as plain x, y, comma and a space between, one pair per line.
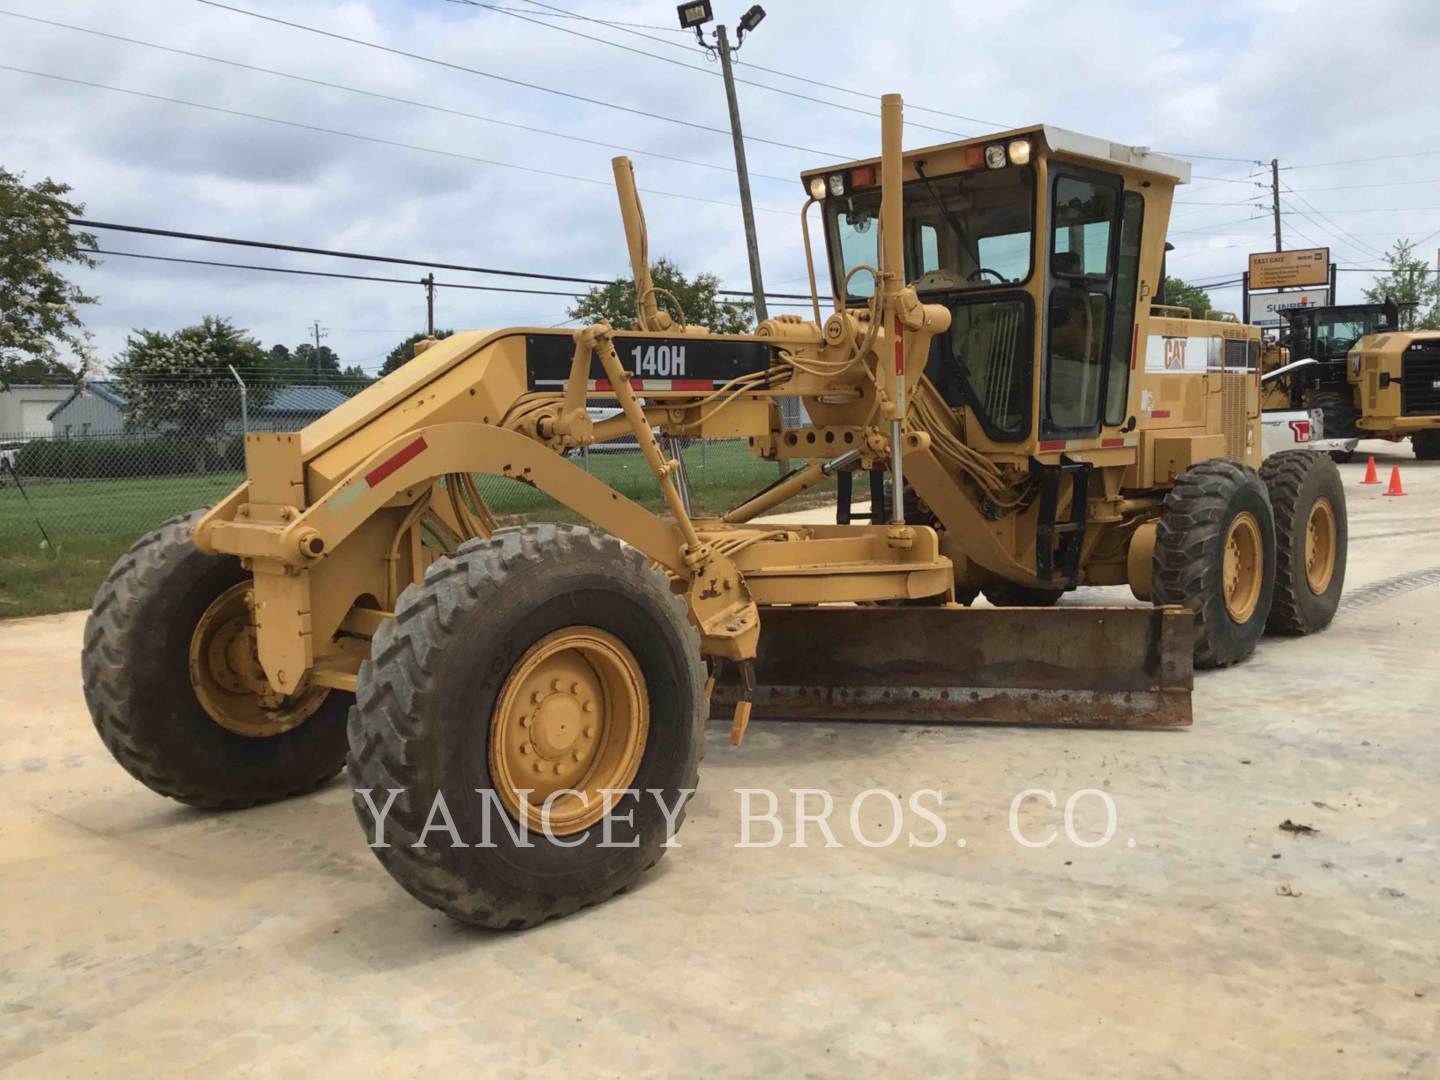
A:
429, 282
747, 211
1275, 199
693, 16
318, 335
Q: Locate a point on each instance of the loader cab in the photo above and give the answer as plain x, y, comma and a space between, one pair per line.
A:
1033, 240
1328, 333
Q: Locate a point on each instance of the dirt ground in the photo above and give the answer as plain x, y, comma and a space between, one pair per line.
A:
137, 936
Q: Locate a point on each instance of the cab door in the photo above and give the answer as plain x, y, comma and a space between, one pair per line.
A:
1085, 213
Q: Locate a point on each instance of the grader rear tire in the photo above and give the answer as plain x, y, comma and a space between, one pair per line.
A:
145, 691
1215, 554
1311, 536
546, 659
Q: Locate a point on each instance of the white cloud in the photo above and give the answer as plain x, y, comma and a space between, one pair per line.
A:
1311, 82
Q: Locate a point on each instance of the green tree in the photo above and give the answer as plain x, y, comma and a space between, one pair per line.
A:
180, 383
405, 351
39, 309
306, 364
1187, 295
1412, 285
698, 296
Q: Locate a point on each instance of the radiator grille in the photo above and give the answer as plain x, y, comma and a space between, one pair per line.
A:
1234, 389
1420, 380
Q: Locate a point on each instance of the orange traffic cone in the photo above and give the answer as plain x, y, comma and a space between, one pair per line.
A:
1370, 475
1395, 488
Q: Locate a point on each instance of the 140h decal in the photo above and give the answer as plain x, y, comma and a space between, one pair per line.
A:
658, 361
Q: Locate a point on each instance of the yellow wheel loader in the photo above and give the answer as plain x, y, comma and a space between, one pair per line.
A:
1368, 378
521, 709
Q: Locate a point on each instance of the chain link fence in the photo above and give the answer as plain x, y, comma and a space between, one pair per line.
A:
119, 459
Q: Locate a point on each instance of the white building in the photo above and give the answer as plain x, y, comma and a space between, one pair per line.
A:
25, 408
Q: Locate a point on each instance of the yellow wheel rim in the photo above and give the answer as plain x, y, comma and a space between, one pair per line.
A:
227, 677
1320, 546
570, 724
1244, 567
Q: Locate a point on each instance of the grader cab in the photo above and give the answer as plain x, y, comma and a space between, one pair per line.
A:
992, 362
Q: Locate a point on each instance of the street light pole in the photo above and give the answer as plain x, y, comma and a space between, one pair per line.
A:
747, 211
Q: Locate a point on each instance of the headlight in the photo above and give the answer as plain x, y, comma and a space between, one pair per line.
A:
837, 185
1020, 152
817, 188
995, 156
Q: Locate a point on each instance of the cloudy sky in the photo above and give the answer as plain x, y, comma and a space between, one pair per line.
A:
1231, 84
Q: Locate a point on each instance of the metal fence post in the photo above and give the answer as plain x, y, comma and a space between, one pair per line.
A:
244, 404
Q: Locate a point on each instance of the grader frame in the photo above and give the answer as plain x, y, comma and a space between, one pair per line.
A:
330, 519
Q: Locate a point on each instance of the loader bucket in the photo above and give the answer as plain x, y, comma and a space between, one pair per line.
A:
1064, 667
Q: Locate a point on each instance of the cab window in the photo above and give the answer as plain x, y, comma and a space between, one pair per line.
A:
1085, 219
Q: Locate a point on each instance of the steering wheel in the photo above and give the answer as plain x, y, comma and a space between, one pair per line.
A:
974, 275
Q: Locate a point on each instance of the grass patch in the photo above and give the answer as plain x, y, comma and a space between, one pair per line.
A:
92, 522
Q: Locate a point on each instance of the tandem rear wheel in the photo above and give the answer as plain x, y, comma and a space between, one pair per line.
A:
1311, 538
536, 710
1215, 554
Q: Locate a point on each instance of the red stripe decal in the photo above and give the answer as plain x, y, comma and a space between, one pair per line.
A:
1112, 442
603, 384
1057, 444
385, 468
899, 348
1160, 414
692, 384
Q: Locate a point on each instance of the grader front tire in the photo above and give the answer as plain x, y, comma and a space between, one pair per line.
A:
1311, 536
1215, 554
149, 701
549, 659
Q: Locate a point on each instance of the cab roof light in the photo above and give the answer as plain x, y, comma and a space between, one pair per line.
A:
863, 176
995, 156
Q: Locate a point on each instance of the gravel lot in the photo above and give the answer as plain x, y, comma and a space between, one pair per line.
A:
137, 936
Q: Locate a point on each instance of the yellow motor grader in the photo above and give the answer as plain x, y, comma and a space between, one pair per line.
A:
522, 708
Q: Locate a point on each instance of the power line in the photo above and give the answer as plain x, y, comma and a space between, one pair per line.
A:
385, 97
1370, 210
504, 78
1361, 187
1212, 157
331, 274
563, 13
372, 138
1362, 161
693, 67
351, 277
1362, 246
269, 245
1218, 225
622, 25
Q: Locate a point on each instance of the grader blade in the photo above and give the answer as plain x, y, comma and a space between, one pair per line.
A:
1064, 667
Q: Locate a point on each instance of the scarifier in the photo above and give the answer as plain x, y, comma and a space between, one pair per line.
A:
1028, 420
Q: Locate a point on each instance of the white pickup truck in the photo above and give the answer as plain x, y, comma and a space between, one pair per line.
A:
1301, 429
